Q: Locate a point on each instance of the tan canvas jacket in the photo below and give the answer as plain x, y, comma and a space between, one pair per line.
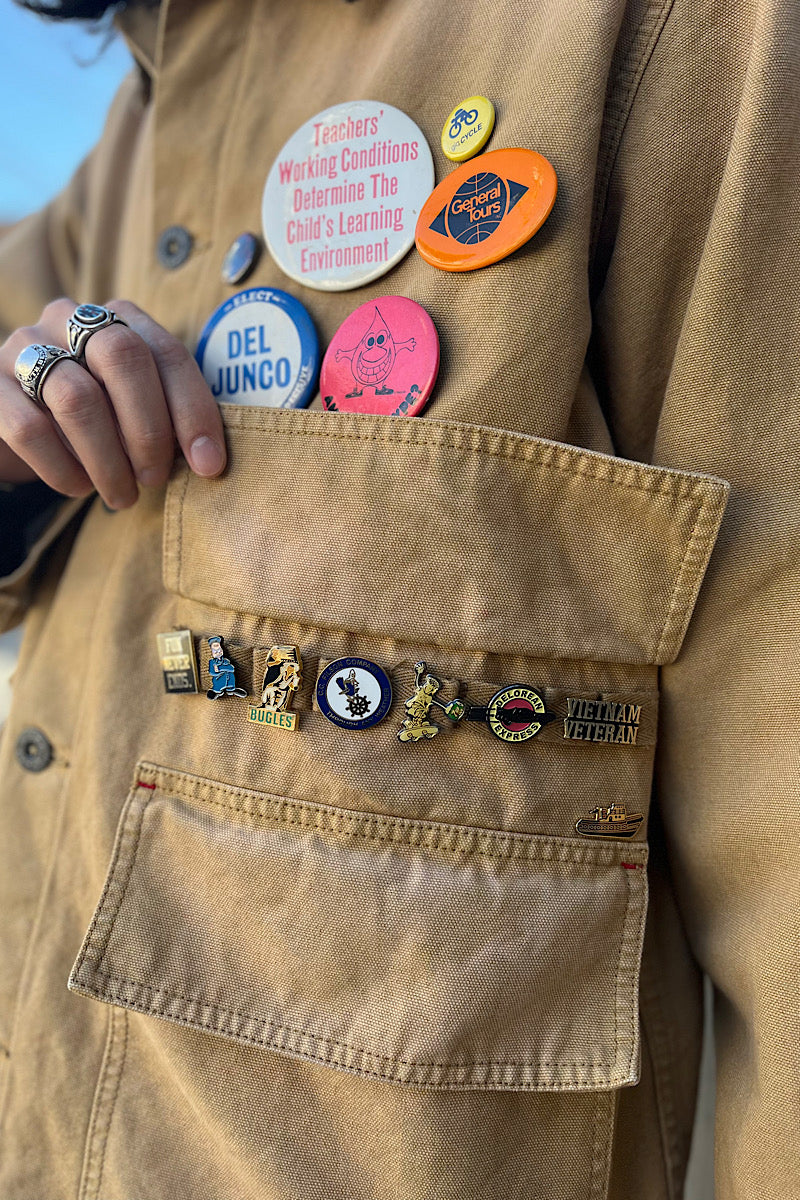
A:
327, 965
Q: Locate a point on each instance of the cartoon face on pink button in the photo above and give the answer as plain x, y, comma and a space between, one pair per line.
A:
383, 359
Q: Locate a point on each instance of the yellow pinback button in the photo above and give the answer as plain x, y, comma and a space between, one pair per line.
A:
468, 128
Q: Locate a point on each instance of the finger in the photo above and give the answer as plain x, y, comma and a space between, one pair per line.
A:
80, 408
12, 468
31, 435
194, 411
123, 365
121, 361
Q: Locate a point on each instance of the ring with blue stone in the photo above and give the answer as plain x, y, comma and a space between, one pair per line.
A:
87, 320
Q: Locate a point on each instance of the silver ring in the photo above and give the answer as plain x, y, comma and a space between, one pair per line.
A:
85, 321
34, 364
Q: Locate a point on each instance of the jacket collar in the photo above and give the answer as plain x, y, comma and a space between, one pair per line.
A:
139, 25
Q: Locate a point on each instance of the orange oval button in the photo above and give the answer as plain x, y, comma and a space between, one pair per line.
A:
486, 209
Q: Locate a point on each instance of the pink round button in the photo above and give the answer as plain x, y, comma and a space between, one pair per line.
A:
383, 359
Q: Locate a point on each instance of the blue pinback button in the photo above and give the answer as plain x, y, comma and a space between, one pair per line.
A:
242, 256
354, 693
260, 348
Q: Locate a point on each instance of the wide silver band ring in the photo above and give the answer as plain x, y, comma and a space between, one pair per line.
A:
34, 364
85, 321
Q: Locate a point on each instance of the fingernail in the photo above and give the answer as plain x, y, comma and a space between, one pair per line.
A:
118, 503
206, 456
149, 477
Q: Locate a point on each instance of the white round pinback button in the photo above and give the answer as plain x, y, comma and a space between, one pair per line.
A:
260, 348
342, 198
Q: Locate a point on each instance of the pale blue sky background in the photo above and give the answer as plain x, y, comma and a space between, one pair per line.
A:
52, 106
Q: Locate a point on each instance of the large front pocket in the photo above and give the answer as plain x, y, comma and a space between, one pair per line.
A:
435, 955
424, 918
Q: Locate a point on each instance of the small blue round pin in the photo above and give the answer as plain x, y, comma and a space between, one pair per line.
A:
242, 256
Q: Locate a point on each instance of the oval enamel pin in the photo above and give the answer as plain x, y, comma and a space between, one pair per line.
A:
486, 209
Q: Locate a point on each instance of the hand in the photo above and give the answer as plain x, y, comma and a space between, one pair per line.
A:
112, 423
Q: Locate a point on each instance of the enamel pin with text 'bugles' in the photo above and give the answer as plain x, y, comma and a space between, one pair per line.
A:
282, 678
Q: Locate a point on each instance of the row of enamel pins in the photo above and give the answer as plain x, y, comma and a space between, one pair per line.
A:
348, 195
355, 693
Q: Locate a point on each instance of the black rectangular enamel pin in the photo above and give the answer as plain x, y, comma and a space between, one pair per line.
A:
178, 661
602, 721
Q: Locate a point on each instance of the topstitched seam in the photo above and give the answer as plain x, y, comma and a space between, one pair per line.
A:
216, 224
434, 842
270, 1027
601, 1146
123, 886
577, 853
686, 569
406, 431
104, 1103
635, 944
181, 502
89, 1156
686, 486
633, 67
110, 881
113, 1102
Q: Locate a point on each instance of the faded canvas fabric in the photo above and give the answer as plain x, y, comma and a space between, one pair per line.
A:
327, 965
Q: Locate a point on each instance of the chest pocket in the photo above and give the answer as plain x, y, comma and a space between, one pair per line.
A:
428, 913
425, 916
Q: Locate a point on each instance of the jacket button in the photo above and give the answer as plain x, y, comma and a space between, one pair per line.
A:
174, 247
33, 750
242, 256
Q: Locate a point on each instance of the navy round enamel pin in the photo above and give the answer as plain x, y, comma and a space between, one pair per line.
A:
354, 693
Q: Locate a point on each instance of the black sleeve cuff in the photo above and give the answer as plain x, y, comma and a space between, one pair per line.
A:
25, 511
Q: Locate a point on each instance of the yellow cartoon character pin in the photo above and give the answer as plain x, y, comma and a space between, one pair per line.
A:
416, 724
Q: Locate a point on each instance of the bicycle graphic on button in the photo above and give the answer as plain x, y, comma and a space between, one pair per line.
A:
462, 117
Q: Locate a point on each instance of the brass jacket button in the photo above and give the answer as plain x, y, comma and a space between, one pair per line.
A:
174, 247
34, 751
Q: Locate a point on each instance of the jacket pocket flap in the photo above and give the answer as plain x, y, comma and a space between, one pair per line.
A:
417, 952
444, 534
